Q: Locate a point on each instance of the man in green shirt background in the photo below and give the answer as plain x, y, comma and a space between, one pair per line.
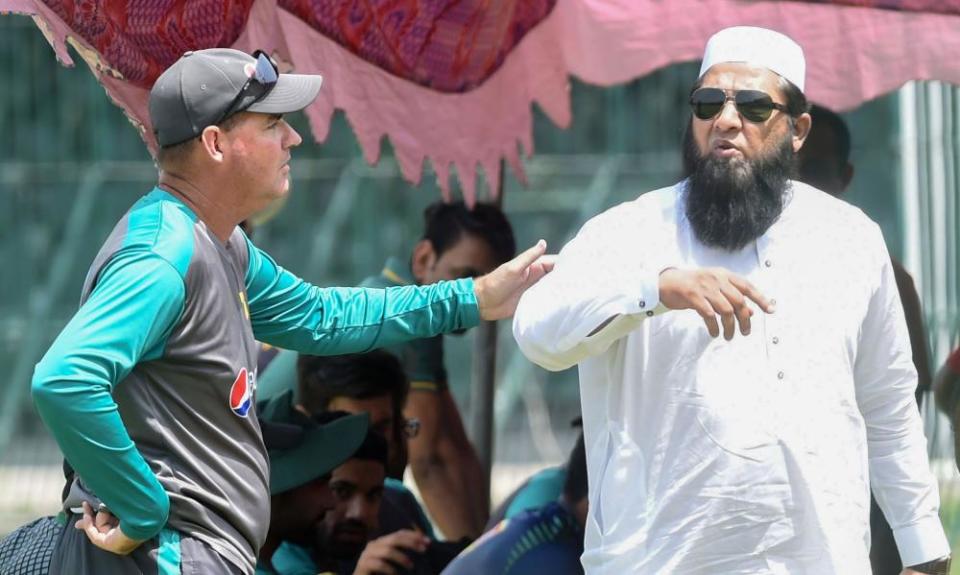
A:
458, 242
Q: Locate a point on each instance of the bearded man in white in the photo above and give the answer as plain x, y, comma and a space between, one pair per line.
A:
755, 453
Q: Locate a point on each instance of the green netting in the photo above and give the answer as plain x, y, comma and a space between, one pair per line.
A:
70, 165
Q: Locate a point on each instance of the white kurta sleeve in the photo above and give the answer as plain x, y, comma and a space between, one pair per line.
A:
886, 380
604, 284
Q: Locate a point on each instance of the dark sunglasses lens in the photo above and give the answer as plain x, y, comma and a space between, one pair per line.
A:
707, 102
755, 106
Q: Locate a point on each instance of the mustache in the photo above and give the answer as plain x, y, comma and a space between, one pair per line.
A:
350, 527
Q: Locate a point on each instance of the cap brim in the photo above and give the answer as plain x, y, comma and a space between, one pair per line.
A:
292, 93
323, 449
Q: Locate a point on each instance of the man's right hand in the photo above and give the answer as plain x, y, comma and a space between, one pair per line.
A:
499, 291
712, 292
382, 555
103, 530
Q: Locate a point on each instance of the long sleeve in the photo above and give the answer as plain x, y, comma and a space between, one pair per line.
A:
127, 318
290, 313
604, 284
885, 380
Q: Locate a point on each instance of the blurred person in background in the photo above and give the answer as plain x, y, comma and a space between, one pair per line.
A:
543, 540
373, 383
539, 489
303, 452
457, 242
946, 388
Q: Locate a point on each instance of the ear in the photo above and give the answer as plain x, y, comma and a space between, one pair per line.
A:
211, 140
801, 129
424, 258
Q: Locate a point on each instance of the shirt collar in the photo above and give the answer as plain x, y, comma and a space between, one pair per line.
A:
397, 271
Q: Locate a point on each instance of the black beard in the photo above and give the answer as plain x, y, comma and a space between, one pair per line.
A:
731, 202
342, 551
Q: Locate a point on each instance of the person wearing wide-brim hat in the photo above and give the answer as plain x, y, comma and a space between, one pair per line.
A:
303, 452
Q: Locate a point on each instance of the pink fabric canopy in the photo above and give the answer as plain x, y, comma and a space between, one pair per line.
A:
454, 80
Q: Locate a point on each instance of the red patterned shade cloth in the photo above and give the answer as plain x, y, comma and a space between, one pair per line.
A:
446, 45
453, 81
140, 39
923, 6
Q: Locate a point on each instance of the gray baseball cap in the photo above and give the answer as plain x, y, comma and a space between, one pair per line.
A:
205, 87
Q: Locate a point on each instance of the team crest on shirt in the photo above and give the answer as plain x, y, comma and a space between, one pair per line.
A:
241, 392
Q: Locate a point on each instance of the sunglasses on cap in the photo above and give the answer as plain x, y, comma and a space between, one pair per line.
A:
753, 105
263, 79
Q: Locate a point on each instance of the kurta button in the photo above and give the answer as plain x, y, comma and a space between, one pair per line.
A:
649, 314
776, 340
768, 263
781, 375
642, 304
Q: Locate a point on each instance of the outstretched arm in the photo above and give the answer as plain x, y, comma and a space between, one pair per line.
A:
290, 313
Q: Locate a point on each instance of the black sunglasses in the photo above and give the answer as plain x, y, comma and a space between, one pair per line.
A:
753, 105
263, 80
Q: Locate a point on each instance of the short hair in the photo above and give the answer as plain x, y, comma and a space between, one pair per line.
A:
575, 485
176, 154
823, 117
373, 448
796, 100
320, 379
445, 224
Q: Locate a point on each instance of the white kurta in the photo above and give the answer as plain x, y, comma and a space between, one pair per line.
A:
749, 456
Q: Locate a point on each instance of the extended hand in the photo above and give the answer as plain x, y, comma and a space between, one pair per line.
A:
383, 554
499, 291
712, 292
103, 530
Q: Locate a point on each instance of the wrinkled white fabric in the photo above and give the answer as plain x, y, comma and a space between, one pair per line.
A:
749, 456
758, 47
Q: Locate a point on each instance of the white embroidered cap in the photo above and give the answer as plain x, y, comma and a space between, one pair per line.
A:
757, 47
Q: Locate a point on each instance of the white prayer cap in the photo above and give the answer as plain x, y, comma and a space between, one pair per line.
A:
756, 47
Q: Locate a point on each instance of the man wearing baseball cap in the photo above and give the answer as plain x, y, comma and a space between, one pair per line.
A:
149, 389
753, 453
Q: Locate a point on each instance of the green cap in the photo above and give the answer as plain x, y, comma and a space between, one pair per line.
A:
302, 449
